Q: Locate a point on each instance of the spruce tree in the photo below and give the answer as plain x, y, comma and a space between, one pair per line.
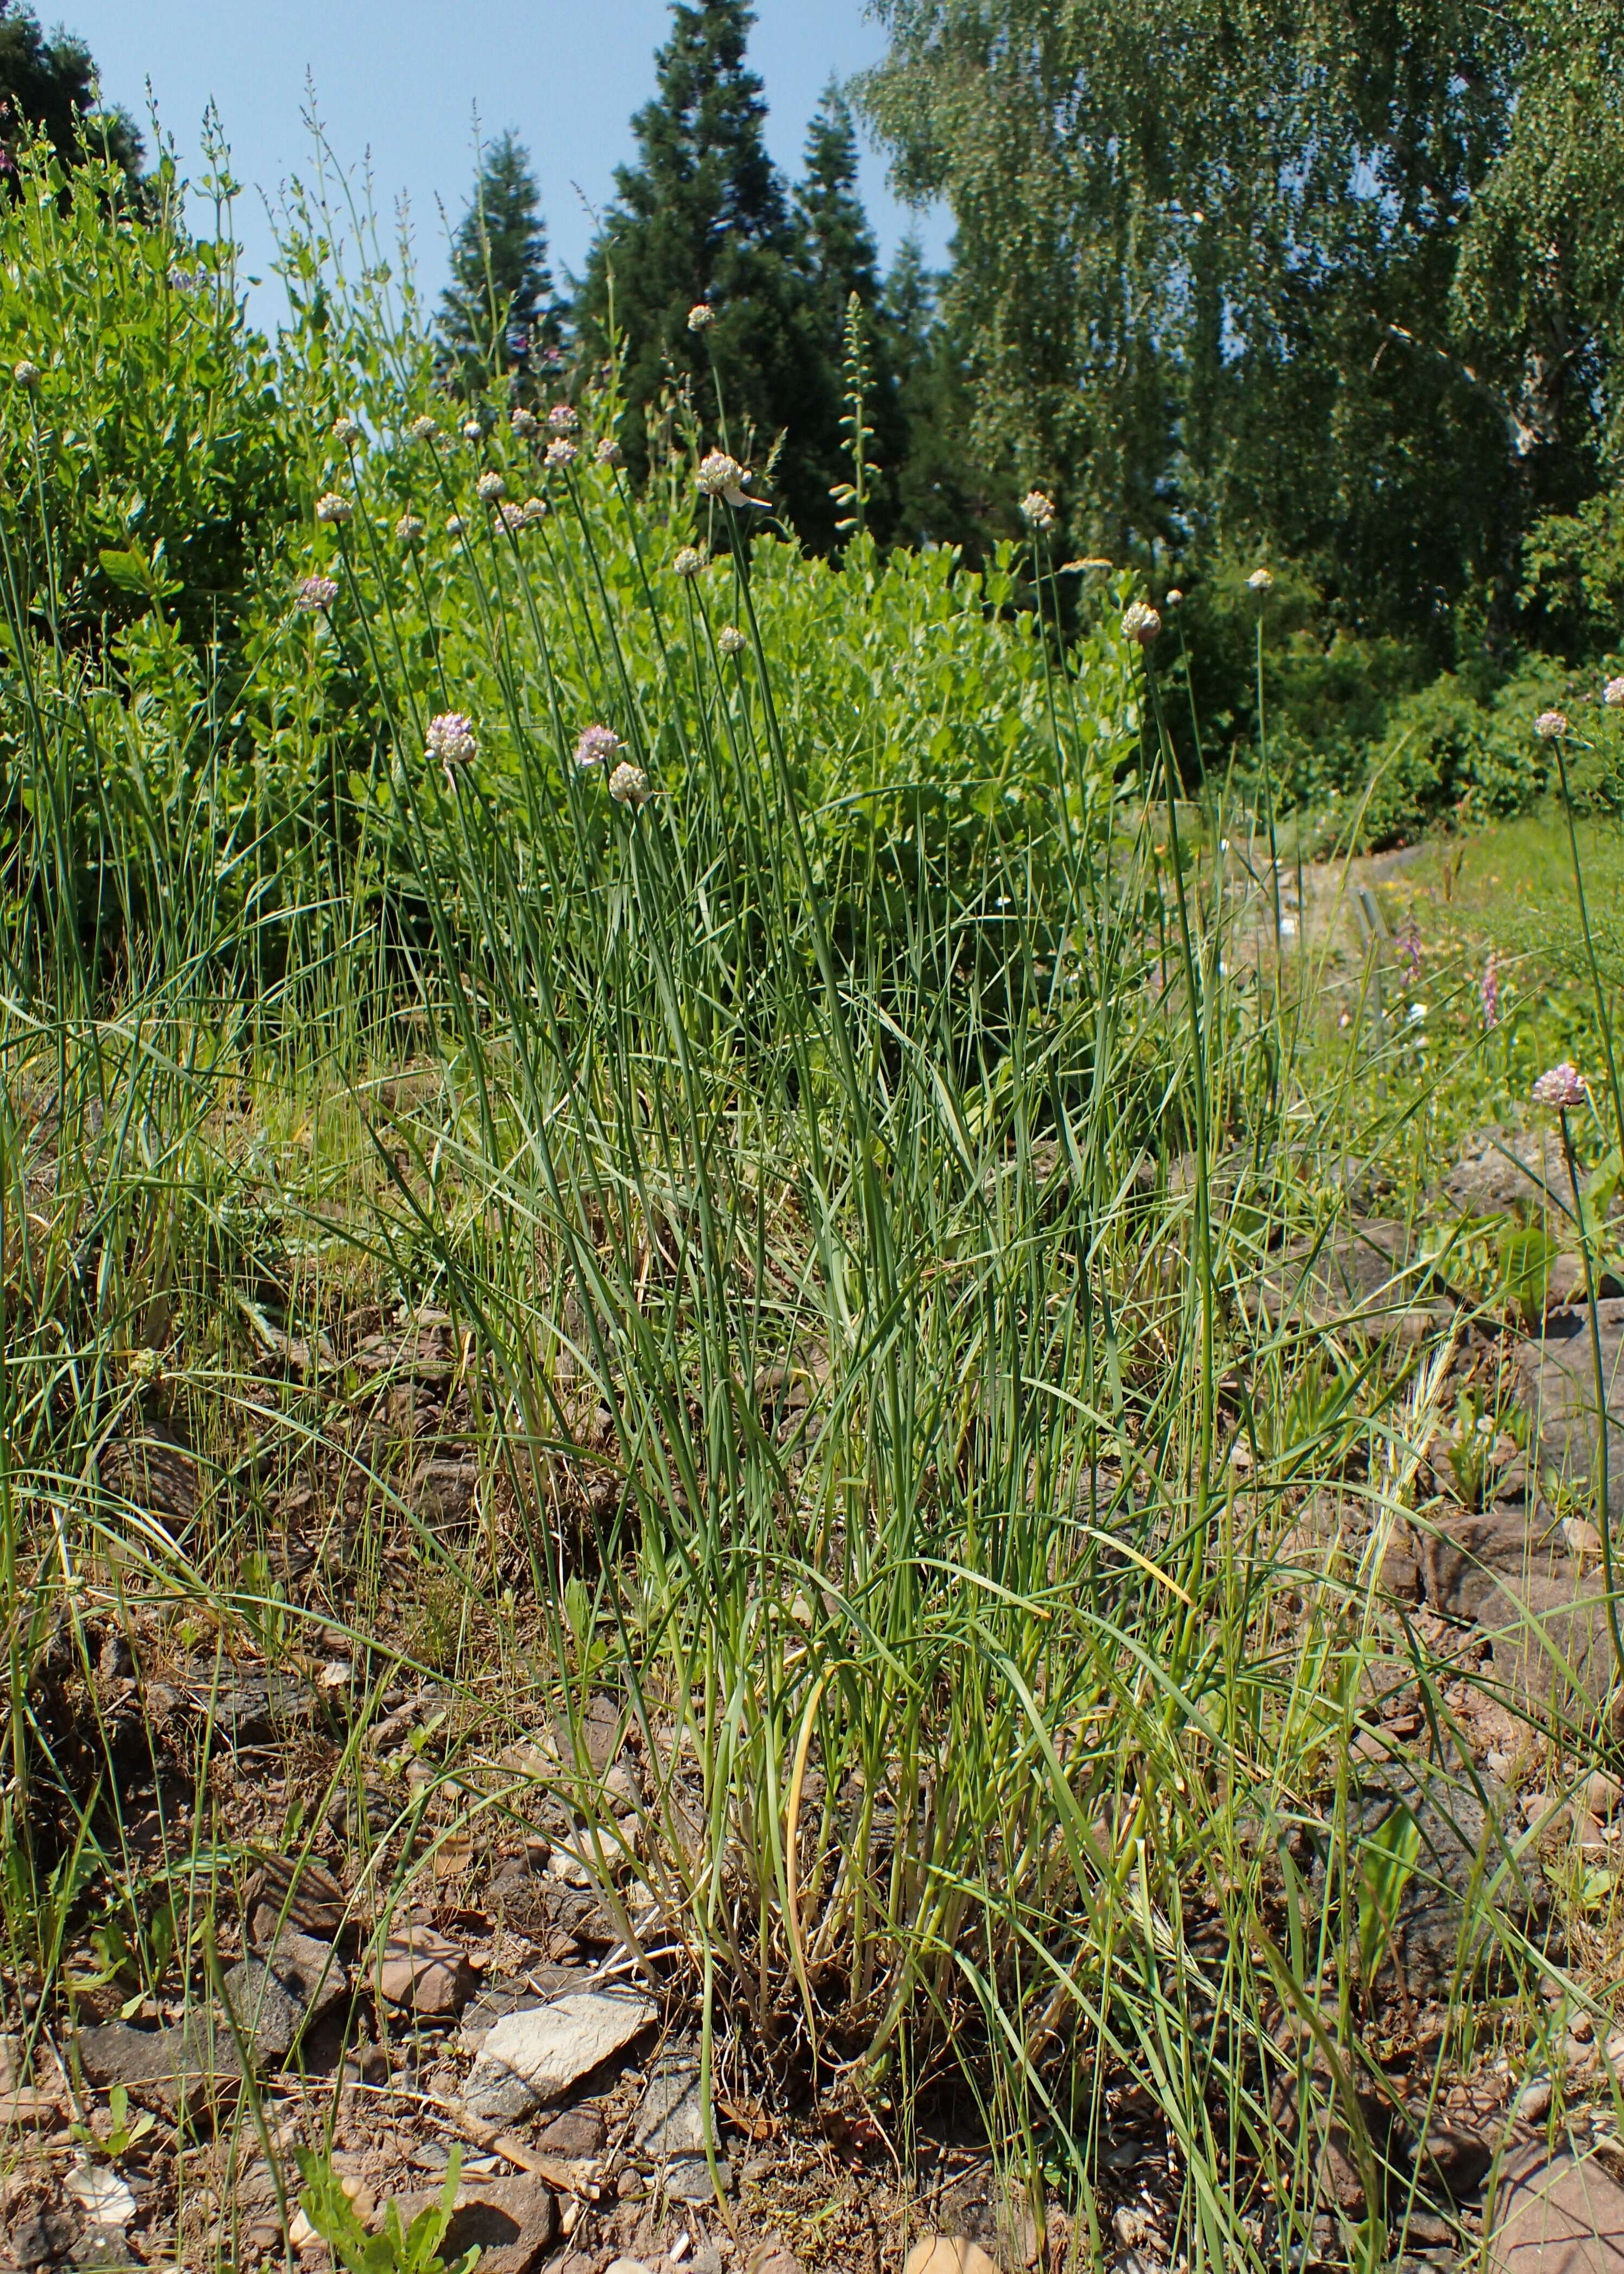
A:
703, 215
50, 85
499, 313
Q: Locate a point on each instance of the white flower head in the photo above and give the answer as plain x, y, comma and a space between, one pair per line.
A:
534, 510
1563, 1086
490, 489
334, 509
608, 452
561, 451
314, 594
563, 418
731, 640
1038, 509
454, 524
346, 431
451, 740
408, 528
689, 560
595, 746
525, 424
1140, 623
1175, 598
1260, 581
628, 785
472, 430
513, 517
1549, 725
1612, 694
26, 374
721, 475
701, 316
423, 429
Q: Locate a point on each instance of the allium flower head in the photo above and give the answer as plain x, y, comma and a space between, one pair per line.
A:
608, 452
731, 640
346, 430
314, 594
490, 489
408, 528
701, 316
451, 740
333, 508
472, 430
689, 560
1038, 509
1260, 581
1548, 726
535, 509
561, 451
423, 429
525, 424
563, 418
454, 524
1140, 623
595, 746
1612, 693
1488, 992
26, 374
1563, 1085
721, 475
1175, 598
628, 785
513, 516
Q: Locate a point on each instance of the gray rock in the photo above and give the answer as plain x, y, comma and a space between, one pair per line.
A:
273, 1997
687, 2180
511, 2221
1556, 1381
1367, 1274
1468, 1555
670, 2122
529, 2058
195, 2066
1555, 2215
1508, 1172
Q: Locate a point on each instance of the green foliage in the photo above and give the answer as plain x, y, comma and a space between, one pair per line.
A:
394, 2249
150, 461
498, 314
1573, 583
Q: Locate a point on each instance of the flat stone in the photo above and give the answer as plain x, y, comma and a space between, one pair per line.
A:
511, 2221
443, 1492
274, 1997
1468, 1555
687, 2180
1510, 1172
940, 2253
304, 1895
1455, 2159
577, 2132
424, 1972
670, 2121
527, 2059
195, 2066
1556, 2216
1556, 1381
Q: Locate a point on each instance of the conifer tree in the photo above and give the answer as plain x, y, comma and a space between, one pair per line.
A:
499, 313
703, 216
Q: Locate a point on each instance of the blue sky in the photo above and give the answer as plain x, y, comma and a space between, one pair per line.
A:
397, 83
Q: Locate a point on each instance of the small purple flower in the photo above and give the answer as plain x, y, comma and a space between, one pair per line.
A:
1407, 939
314, 594
597, 746
514, 516
525, 424
1488, 992
608, 452
1564, 1085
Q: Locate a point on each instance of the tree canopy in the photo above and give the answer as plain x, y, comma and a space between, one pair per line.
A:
498, 312
49, 85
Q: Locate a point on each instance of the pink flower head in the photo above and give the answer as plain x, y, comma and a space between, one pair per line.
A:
597, 746
563, 418
721, 475
1549, 725
524, 423
608, 451
314, 594
1488, 992
451, 740
1564, 1085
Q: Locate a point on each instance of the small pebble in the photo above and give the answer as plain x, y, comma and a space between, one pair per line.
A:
631, 2187
1602, 1795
